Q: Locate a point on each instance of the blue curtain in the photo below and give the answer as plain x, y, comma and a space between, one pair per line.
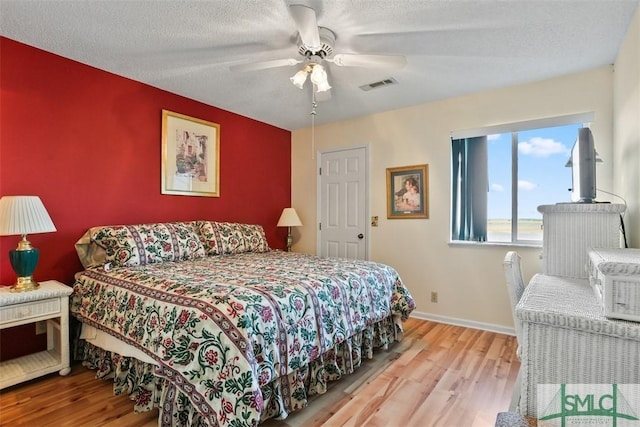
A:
470, 183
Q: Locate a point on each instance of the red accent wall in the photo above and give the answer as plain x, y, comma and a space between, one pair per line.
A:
88, 142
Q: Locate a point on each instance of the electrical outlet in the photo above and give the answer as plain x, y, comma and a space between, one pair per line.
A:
374, 221
434, 297
41, 327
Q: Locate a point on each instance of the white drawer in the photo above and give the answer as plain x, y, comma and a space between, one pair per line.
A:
11, 313
614, 275
596, 285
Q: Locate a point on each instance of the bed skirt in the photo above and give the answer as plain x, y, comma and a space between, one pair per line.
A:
281, 397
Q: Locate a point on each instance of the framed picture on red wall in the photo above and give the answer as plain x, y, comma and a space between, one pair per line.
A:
190, 156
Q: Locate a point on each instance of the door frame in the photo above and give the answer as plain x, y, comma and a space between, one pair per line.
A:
367, 192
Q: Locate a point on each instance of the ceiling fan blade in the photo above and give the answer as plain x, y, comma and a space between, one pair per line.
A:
373, 61
254, 66
305, 19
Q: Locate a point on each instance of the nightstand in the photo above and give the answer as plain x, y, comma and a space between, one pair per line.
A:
49, 303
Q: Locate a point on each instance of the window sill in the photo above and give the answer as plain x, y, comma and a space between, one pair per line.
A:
462, 244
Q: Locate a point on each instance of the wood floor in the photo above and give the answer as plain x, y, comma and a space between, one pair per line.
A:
439, 375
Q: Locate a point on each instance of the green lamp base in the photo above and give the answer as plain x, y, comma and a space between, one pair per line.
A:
24, 263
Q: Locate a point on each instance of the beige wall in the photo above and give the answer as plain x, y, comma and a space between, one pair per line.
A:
626, 109
469, 280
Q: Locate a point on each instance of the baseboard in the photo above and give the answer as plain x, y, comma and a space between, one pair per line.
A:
463, 322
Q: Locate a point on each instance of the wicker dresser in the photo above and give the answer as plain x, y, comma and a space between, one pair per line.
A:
567, 340
571, 229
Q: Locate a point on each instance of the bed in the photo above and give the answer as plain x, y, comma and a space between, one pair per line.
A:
204, 321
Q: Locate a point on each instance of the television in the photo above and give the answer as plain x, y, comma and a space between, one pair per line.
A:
583, 168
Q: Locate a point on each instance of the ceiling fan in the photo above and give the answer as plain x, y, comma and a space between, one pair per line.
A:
315, 45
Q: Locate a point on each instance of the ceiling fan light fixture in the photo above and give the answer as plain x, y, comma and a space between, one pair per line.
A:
319, 78
299, 78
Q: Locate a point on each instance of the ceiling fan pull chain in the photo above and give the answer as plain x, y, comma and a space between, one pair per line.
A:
314, 105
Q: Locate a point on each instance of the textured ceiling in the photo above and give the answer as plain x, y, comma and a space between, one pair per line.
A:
453, 47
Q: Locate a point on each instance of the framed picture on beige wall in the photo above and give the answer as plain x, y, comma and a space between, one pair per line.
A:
407, 192
190, 156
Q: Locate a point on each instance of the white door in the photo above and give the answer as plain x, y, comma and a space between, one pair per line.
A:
343, 228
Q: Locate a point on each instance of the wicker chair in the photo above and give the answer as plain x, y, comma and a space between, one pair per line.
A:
512, 419
515, 287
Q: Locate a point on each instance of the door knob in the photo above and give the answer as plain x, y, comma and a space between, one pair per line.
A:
360, 236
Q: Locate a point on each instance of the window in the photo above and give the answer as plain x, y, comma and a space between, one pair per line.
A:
501, 174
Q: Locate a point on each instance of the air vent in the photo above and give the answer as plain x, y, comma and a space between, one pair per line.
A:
381, 83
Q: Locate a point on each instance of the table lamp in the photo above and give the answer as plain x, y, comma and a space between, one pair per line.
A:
19, 216
289, 218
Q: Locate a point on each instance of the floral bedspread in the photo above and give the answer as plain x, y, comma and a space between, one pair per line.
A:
222, 328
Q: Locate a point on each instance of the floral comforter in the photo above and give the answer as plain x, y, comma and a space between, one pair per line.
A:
222, 329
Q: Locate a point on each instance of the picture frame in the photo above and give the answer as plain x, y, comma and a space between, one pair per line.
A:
408, 192
190, 156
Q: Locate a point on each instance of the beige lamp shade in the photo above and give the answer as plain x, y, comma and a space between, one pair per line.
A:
21, 215
289, 218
